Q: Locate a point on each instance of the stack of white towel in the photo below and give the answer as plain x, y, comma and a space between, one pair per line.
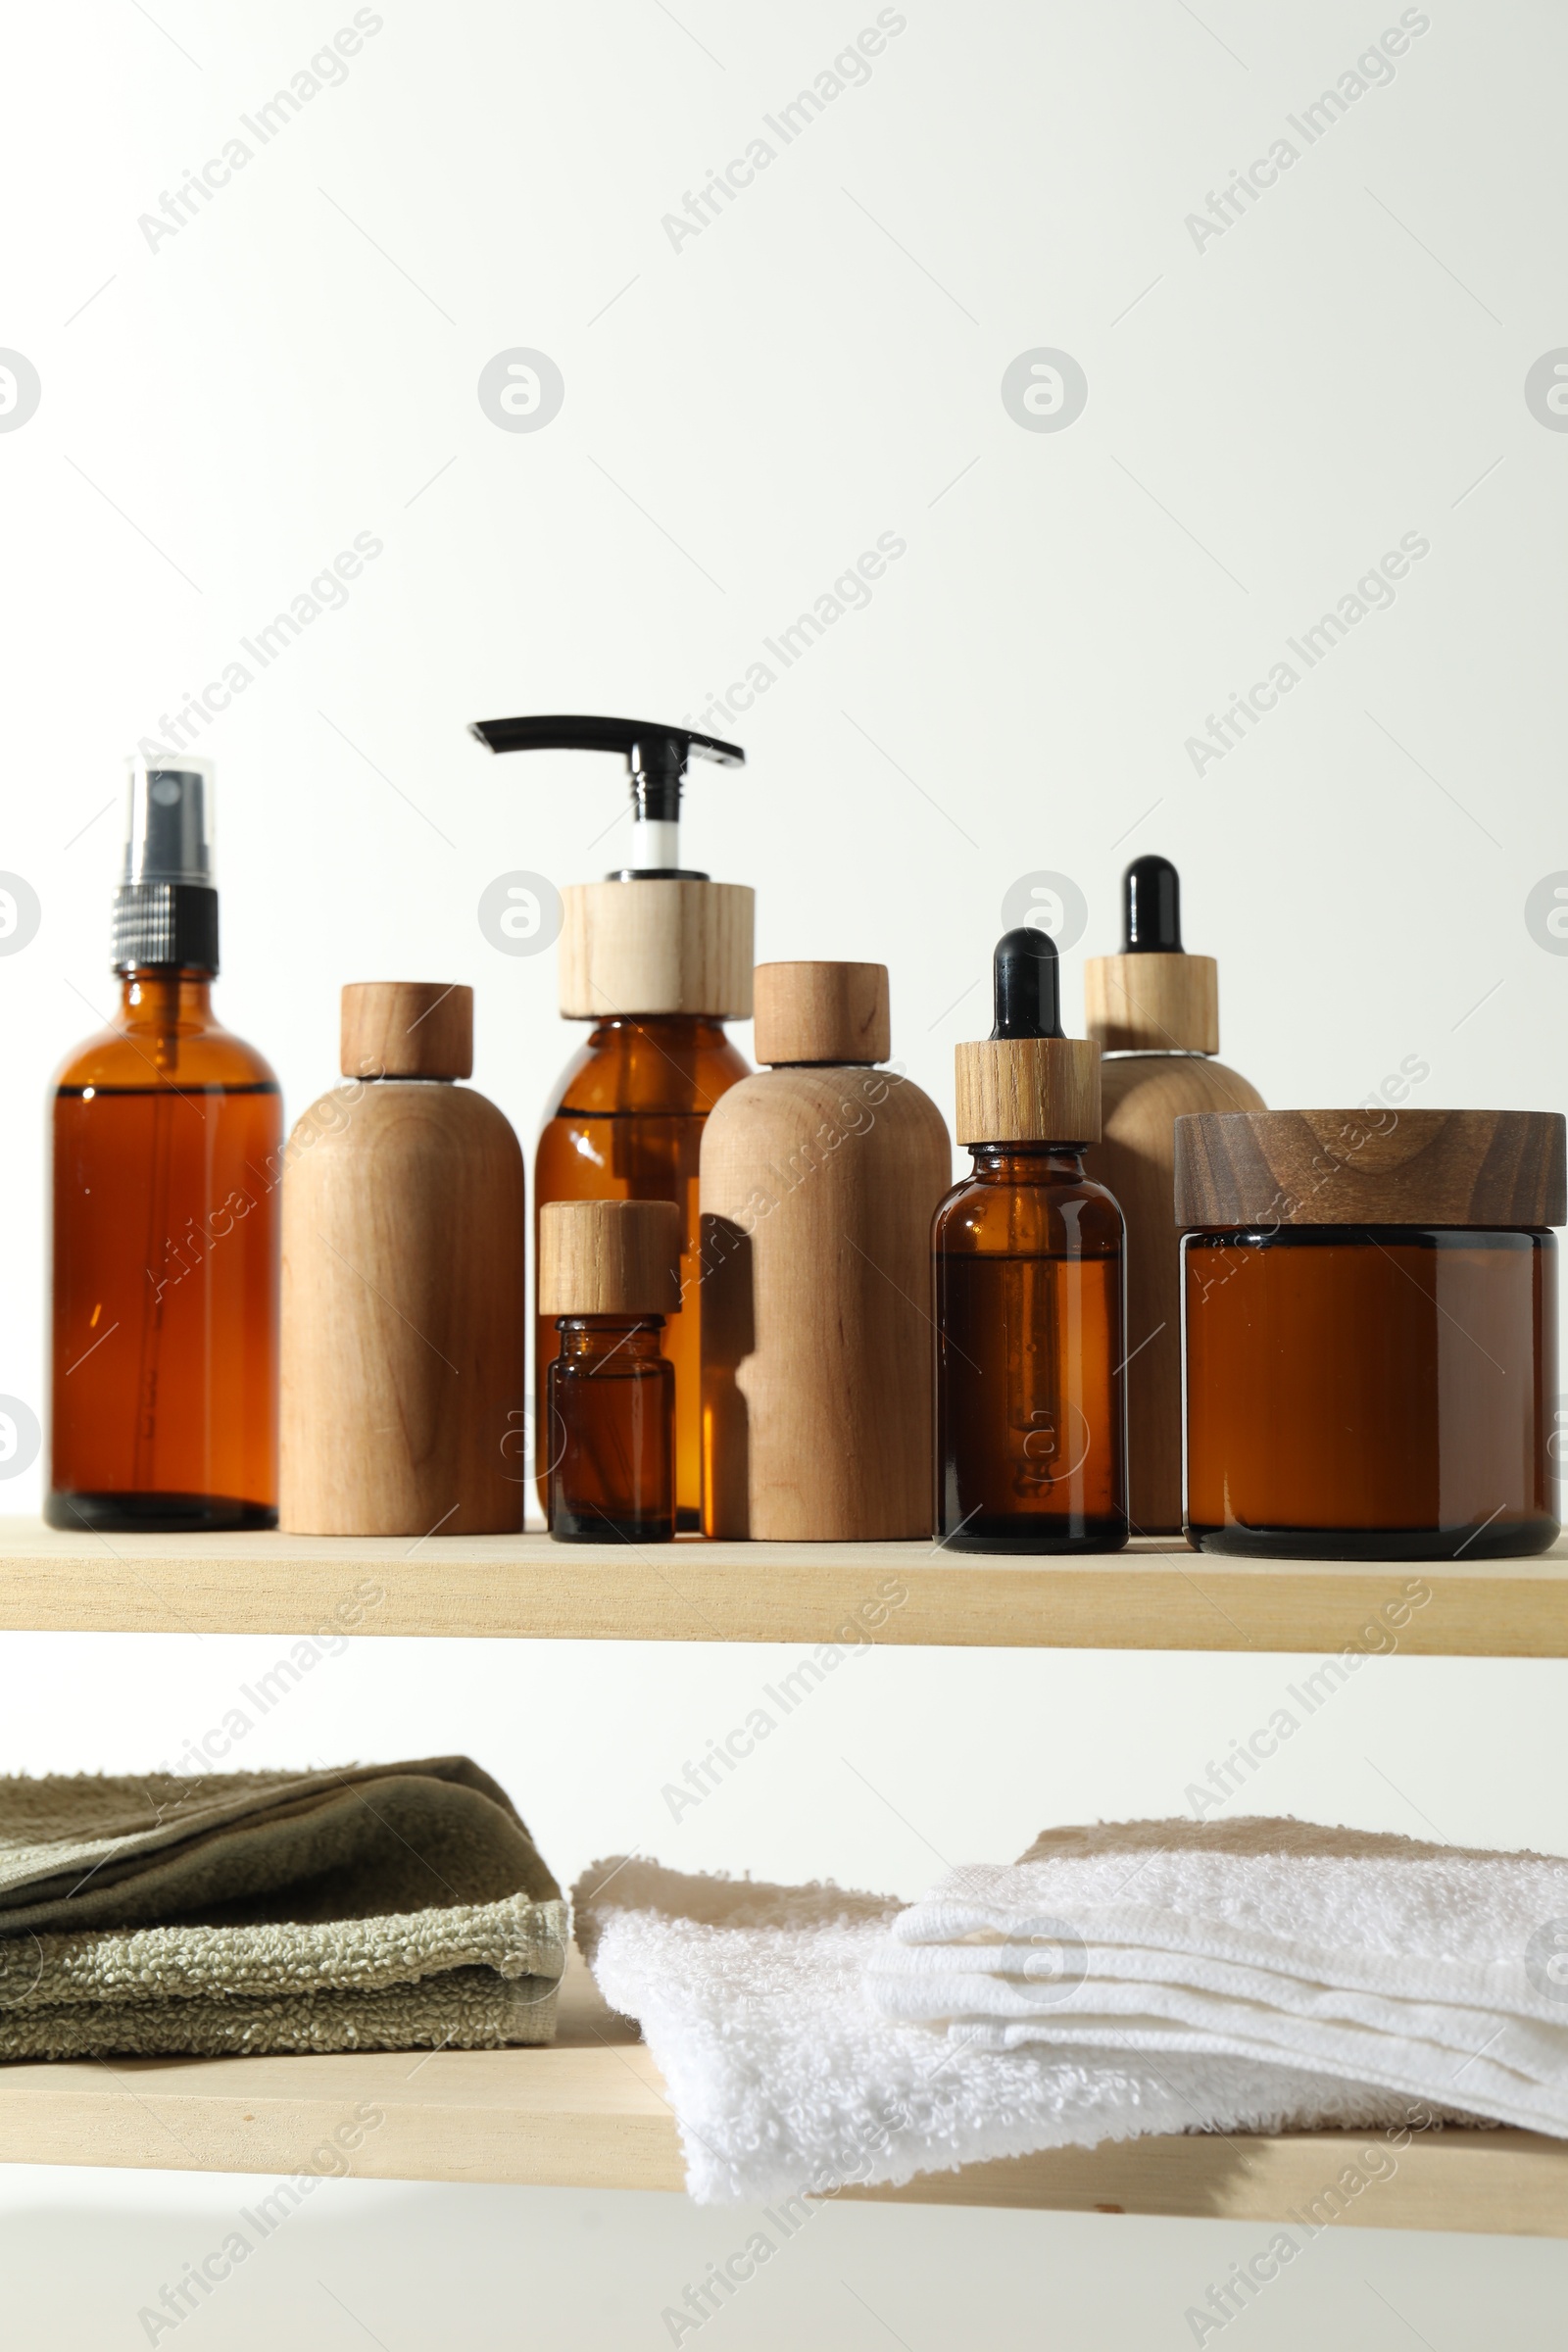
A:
1248, 1976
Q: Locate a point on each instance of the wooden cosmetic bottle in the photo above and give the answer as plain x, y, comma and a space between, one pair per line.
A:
403, 1347
1154, 1012
819, 1177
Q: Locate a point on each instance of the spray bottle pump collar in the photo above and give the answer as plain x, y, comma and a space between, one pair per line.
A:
655, 757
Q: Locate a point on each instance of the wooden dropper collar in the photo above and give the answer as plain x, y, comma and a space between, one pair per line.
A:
1026, 1083
1152, 998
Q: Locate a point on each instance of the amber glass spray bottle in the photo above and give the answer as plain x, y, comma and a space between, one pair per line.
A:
167, 1132
1031, 1443
657, 956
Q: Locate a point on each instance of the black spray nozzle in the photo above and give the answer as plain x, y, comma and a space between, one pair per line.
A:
1151, 909
1027, 992
655, 756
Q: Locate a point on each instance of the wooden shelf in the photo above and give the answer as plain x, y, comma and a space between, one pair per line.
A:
591, 2113
1154, 1595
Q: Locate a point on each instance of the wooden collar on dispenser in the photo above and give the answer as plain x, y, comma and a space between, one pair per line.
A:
652, 946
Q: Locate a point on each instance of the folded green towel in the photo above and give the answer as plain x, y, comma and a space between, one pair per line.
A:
382, 1907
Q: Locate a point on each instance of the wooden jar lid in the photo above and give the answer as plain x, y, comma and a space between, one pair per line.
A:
609, 1257
822, 1013
643, 947
1484, 1168
1028, 1090
406, 1029
1153, 1003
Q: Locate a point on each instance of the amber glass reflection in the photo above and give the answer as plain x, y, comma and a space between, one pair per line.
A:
1381, 1393
629, 1127
1030, 1437
166, 1166
612, 1422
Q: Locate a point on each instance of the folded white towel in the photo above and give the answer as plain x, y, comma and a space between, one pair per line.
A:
786, 2077
1424, 1969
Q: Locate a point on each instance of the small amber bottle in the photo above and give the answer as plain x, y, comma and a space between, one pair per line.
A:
1031, 1440
166, 1189
608, 1274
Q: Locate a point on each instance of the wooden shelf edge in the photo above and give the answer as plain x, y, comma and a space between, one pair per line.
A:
586, 2120
1151, 1596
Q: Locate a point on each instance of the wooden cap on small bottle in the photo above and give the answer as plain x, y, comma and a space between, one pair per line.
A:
1028, 1090
649, 947
609, 1257
1478, 1168
1153, 1003
406, 1029
822, 1013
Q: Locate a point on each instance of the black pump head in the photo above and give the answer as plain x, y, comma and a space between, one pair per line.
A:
1151, 909
655, 758
1026, 984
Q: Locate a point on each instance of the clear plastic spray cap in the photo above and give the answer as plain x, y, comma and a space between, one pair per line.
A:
166, 908
169, 822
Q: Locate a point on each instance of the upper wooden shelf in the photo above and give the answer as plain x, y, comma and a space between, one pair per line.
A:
591, 2112
1154, 1595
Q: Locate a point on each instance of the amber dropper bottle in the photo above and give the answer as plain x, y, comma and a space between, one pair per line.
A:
166, 1161
1031, 1440
609, 1273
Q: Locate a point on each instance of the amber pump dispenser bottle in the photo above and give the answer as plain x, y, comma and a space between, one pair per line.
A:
405, 1318
609, 1275
1154, 1012
165, 1181
1031, 1446
820, 1176
656, 958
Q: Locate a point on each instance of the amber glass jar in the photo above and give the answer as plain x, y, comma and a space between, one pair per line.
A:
628, 1125
166, 1162
611, 1403
1031, 1453
1378, 1389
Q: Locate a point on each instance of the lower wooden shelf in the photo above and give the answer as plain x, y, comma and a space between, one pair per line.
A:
591, 2113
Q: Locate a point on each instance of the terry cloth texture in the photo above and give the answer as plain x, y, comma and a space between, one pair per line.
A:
382, 1907
1423, 1969
786, 2076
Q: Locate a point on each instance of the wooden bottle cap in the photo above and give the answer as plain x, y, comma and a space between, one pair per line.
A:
822, 1013
406, 1029
1153, 1003
609, 1257
1028, 1090
1487, 1168
643, 947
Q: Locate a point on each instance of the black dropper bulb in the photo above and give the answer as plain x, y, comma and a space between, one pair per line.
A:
1027, 992
1151, 909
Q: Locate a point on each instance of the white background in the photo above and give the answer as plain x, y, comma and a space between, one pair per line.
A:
742, 417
